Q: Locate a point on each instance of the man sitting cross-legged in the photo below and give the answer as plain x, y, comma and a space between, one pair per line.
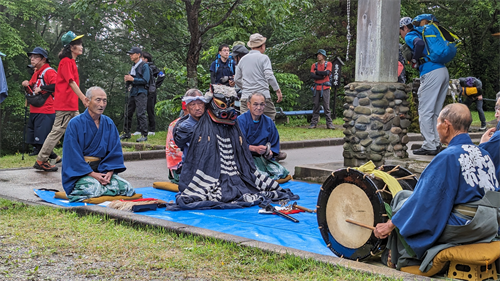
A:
93, 154
453, 202
262, 136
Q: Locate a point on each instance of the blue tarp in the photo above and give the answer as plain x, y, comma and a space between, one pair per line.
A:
244, 222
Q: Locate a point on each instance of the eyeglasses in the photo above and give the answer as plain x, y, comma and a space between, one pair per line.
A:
259, 105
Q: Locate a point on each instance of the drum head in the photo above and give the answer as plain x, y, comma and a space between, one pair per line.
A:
349, 201
349, 194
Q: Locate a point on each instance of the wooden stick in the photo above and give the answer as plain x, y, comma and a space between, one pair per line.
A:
360, 224
407, 177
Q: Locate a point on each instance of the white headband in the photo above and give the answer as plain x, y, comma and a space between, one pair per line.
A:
187, 100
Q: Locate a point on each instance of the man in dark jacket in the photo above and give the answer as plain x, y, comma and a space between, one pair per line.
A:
157, 77
137, 80
222, 69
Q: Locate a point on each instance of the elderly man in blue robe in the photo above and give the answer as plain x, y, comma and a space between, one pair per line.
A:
490, 141
93, 154
262, 137
455, 201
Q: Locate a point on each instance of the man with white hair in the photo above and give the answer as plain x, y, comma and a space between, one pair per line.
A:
254, 74
93, 154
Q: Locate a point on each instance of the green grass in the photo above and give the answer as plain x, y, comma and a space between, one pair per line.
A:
297, 130
106, 249
489, 115
158, 139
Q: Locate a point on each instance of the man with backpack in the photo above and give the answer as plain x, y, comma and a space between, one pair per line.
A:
137, 81
156, 79
472, 89
222, 69
434, 80
39, 95
321, 72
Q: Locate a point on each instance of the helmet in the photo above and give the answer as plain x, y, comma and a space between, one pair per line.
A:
68, 37
404, 21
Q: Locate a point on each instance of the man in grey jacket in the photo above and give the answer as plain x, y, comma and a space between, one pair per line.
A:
254, 74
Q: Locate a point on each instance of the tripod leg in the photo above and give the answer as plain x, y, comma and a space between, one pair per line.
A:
24, 131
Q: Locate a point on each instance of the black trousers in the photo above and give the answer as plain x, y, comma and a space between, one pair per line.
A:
39, 127
137, 103
151, 111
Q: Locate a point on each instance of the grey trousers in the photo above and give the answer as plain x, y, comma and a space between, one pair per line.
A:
269, 110
431, 96
326, 106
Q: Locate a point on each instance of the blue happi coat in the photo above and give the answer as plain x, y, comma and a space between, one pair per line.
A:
264, 133
493, 148
82, 138
461, 173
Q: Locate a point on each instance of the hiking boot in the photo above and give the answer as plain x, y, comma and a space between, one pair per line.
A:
44, 166
136, 133
330, 126
125, 136
312, 126
281, 156
423, 151
143, 138
151, 133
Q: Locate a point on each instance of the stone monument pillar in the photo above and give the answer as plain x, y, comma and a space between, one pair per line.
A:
376, 109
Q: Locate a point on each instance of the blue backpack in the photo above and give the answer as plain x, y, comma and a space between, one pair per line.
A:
230, 63
440, 43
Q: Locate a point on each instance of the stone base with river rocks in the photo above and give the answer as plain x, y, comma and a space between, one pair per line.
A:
376, 124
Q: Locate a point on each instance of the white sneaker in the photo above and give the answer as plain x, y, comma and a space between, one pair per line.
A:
136, 134
151, 133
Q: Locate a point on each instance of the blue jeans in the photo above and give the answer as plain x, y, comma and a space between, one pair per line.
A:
479, 106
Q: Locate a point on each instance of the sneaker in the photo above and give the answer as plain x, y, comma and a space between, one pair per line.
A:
125, 136
330, 126
44, 166
58, 159
422, 151
483, 128
312, 126
151, 133
281, 156
136, 134
144, 138
34, 153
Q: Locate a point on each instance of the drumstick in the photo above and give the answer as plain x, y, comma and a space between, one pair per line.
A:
360, 224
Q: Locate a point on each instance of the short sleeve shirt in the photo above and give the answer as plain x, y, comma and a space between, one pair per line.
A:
48, 78
65, 98
321, 67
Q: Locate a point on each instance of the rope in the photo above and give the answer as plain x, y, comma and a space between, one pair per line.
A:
348, 29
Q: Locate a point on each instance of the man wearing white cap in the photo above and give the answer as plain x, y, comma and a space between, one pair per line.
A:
255, 73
